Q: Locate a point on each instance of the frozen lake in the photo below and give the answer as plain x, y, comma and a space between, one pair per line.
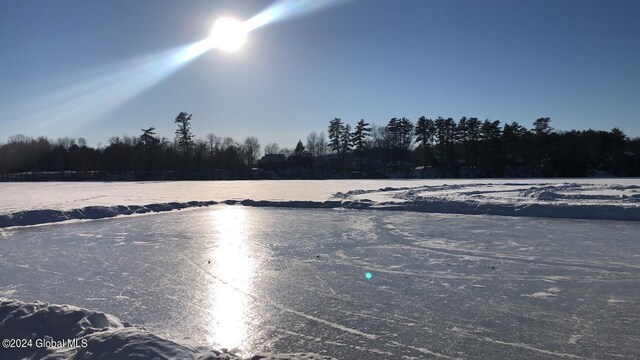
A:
288, 280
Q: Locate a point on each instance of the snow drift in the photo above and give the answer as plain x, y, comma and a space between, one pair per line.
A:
611, 199
35, 217
99, 336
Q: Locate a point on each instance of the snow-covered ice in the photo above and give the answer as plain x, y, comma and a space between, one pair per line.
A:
604, 199
274, 280
239, 272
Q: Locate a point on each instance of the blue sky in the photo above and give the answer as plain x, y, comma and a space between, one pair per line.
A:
577, 62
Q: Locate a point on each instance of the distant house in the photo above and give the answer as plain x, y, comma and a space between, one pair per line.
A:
328, 158
272, 161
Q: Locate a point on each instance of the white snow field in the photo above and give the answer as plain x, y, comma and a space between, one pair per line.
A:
260, 279
606, 199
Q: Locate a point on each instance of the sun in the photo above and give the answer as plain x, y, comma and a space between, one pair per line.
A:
228, 34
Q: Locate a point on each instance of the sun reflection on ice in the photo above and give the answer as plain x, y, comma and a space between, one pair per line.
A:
233, 266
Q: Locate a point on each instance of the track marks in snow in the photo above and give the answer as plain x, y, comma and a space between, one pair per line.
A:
531, 348
424, 351
547, 295
281, 307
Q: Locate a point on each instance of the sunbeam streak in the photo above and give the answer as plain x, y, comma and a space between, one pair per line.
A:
103, 90
108, 88
284, 9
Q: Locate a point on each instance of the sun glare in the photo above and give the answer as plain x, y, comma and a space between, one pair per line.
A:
233, 267
229, 34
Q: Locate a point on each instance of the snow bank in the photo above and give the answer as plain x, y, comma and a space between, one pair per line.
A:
603, 199
554, 199
34, 217
97, 336
443, 206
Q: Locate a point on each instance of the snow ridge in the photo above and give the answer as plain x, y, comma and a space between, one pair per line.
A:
442, 206
104, 335
43, 216
551, 199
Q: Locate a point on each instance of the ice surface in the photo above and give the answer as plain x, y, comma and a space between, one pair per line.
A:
604, 199
246, 275
288, 280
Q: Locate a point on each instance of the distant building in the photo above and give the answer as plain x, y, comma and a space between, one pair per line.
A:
271, 161
328, 158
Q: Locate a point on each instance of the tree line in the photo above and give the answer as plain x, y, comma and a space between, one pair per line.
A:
440, 147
